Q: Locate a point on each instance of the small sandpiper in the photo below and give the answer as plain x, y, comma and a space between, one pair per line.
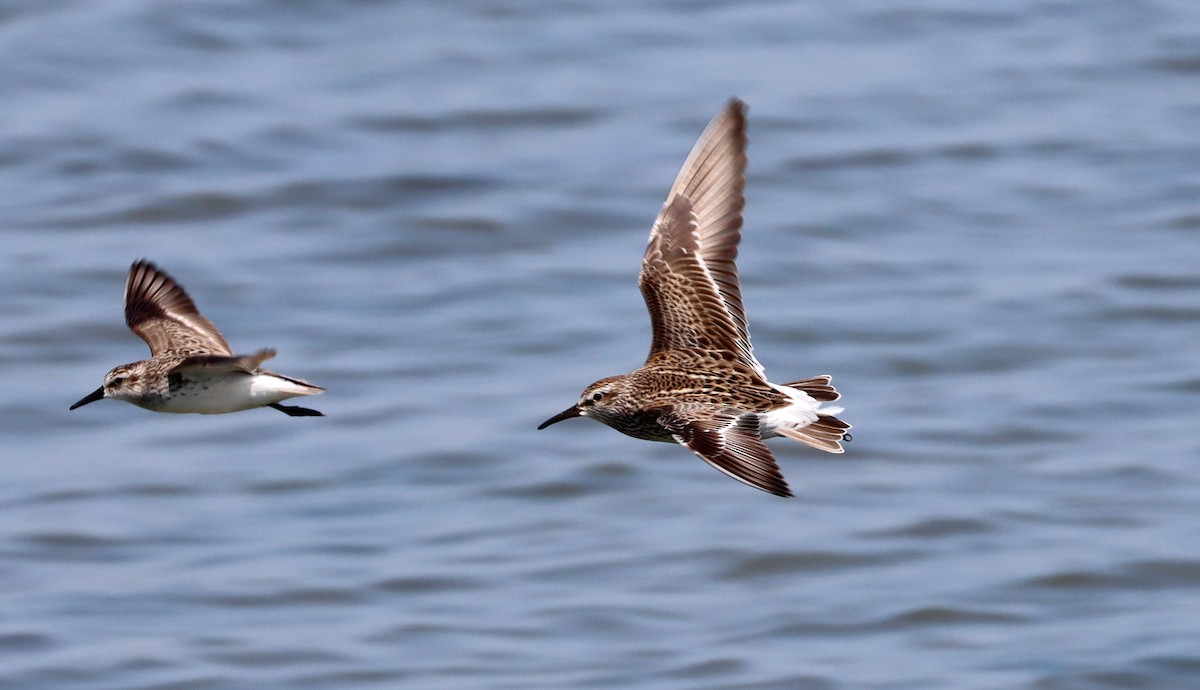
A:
701, 385
191, 367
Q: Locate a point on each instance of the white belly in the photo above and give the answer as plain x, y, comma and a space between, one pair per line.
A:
228, 393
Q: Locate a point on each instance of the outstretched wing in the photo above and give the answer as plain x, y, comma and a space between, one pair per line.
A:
729, 441
159, 310
689, 275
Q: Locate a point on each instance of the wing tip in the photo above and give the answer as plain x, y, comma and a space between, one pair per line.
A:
736, 450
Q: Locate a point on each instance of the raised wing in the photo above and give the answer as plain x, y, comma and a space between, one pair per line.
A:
730, 442
689, 275
159, 310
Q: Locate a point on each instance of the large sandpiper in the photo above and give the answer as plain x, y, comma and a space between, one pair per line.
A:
701, 386
191, 367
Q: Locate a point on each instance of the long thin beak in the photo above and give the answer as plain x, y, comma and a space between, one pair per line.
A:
572, 411
92, 397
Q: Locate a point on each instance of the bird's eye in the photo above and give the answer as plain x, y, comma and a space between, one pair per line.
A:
117, 381
597, 396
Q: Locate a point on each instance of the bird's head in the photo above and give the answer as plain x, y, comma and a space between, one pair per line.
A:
603, 401
122, 383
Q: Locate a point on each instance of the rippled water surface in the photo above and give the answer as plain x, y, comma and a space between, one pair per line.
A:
982, 219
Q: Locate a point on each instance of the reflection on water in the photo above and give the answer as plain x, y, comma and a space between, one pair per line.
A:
980, 221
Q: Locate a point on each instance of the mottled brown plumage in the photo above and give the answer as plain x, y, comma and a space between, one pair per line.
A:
191, 367
160, 312
701, 385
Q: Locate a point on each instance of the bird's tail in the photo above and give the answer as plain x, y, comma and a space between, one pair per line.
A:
827, 433
296, 387
796, 422
817, 387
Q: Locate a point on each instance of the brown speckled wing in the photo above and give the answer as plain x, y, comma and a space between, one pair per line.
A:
162, 314
730, 442
213, 364
689, 275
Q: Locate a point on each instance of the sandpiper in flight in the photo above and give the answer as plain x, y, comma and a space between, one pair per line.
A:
191, 367
701, 385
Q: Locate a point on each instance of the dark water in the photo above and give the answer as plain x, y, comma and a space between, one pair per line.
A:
983, 219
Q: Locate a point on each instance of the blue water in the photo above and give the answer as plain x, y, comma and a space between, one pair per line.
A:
982, 219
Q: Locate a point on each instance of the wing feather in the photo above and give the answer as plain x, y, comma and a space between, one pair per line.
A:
729, 441
689, 272
159, 310
215, 364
